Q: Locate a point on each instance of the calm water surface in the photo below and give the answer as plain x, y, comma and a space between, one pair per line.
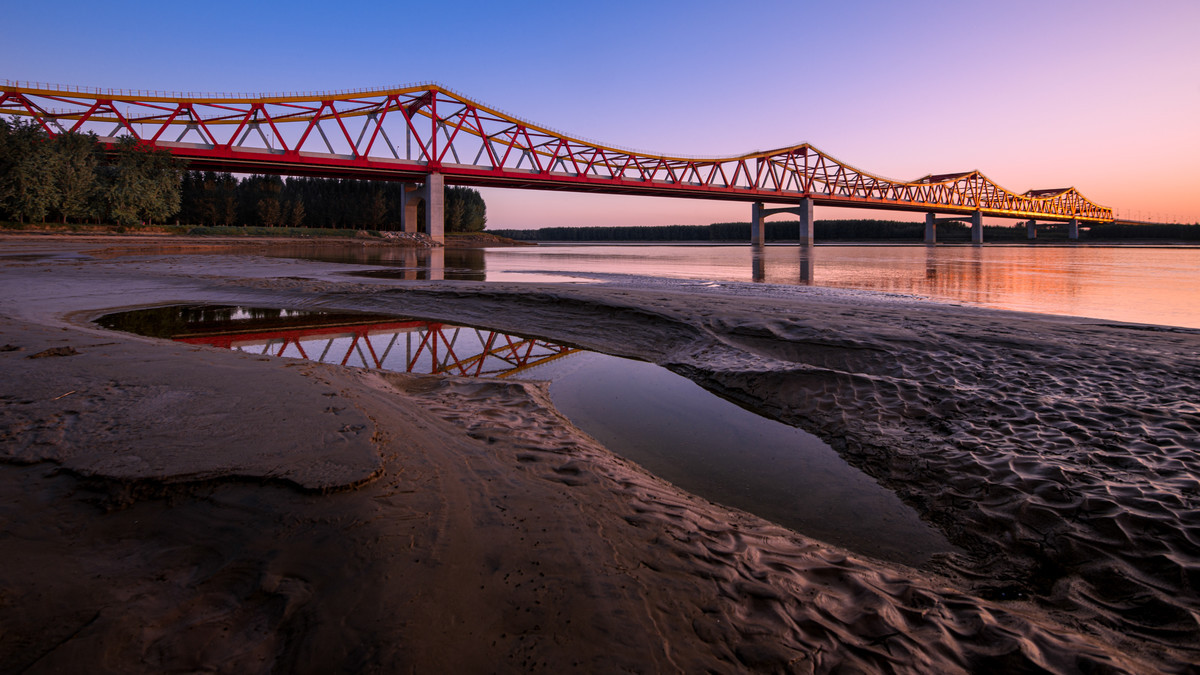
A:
1157, 285
646, 413
1141, 285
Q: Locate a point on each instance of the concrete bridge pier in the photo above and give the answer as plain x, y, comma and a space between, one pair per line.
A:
1073, 229
409, 198
758, 229
930, 228
977, 227
1031, 230
805, 211
434, 194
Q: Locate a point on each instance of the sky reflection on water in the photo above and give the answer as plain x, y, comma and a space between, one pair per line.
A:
1155, 285
661, 420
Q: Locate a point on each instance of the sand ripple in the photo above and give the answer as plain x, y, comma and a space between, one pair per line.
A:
1062, 456
764, 597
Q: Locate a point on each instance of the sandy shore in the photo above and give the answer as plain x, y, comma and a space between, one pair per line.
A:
168, 507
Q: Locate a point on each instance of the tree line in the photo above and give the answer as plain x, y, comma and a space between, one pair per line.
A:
210, 198
72, 177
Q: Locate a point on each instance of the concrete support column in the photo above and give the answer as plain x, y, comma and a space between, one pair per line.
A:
930, 228
434, 193
1073, 229
977, 227
409, 198
758, 230
1031, 230
806, 221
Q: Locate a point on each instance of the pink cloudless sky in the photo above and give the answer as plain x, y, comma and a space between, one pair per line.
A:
1101, 95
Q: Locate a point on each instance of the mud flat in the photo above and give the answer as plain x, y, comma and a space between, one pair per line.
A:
166, 506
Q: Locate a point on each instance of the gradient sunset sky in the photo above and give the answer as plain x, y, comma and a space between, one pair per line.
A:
1103, 94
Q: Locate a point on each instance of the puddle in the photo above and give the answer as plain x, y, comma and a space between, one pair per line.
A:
661, 420
386, 342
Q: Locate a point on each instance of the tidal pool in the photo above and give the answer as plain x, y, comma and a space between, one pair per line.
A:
648, 414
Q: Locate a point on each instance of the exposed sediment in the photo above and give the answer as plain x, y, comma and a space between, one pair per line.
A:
188, 508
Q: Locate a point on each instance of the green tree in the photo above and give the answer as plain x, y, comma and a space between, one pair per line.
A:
142, 183
296, 213
226, 206
75, 158
377, 210
26, 171
465, 210
455, 213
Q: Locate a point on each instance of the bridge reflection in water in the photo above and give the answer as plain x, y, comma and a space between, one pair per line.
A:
779, 265
367, 340
648, 414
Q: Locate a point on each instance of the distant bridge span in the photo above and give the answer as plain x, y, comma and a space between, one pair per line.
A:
427, 134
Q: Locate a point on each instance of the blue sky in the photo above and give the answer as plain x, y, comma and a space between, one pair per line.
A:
1101, 95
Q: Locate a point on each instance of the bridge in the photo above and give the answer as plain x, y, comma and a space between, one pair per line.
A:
383, 342
427, 135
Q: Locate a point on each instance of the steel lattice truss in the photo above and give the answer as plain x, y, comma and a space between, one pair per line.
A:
408, 132
403, 346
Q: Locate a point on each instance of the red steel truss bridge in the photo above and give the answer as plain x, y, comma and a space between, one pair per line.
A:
399, 345
428, 134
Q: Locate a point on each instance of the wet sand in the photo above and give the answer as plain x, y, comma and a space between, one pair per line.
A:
174, 507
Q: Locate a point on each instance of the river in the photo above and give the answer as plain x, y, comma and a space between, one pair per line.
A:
1153, 285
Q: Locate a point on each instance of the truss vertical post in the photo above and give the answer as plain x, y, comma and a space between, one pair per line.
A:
435, 196
977, 227
806, 221
931, 228
1031, 229
1073, 229
758, 230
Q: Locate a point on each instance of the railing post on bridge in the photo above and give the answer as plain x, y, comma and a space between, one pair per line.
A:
1031, 229
1073, 229
757, 228
931, 228
977, 227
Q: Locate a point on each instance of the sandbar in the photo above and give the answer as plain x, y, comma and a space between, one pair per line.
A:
173, 507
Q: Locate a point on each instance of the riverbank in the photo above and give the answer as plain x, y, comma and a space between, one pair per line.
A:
174, 507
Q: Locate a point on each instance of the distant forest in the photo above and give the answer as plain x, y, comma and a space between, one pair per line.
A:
270, 201
848, 230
